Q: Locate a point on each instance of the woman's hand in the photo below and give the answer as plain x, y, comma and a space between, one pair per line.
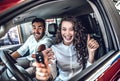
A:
43, 71
92, 46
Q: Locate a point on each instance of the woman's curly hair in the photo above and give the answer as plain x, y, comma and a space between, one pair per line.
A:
80, 39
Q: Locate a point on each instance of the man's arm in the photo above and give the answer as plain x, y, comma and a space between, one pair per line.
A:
48, 42
22, 50
15, 55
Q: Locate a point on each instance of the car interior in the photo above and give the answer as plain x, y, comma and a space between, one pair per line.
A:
53, 11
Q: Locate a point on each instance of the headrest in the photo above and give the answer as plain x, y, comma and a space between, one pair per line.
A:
91, 23
52, 28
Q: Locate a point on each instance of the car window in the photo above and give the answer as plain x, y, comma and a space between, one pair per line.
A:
10, 38
25, 30
50, 21
20, 33
92, 21
117, 5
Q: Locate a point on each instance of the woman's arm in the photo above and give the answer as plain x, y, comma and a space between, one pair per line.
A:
46, 71
92, 46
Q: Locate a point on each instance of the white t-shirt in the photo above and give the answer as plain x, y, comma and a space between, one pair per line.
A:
32, 45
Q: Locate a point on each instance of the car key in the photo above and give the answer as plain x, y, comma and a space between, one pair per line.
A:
40, 57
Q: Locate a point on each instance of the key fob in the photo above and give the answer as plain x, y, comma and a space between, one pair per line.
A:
40, 57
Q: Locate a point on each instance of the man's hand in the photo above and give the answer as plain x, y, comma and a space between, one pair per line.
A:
1, 63
50, 54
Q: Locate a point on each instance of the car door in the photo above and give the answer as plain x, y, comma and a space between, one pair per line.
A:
109, 21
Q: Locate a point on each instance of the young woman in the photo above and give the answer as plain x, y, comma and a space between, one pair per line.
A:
74, 50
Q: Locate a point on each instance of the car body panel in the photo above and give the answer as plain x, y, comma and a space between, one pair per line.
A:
7, 4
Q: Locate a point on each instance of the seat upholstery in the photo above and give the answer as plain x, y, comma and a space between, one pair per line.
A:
52, 29
93, 28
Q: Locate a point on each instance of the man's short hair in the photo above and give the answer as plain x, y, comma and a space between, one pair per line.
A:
39, 20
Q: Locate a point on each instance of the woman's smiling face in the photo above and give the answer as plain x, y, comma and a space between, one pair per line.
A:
67, 32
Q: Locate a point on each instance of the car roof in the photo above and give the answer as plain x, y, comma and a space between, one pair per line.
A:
7, 4
46, 9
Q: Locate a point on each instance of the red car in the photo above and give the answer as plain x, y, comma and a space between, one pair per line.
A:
100, 17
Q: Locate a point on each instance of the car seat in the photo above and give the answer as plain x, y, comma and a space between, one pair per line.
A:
92, 28
52, 29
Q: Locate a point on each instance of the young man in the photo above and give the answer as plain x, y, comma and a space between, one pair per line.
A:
37, 38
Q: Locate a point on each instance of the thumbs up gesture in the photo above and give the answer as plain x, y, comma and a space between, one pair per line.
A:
92, 46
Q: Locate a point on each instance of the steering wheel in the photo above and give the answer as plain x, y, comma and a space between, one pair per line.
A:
10, 64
